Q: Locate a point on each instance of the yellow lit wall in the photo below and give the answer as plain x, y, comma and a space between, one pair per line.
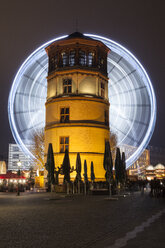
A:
86, 138
84, 82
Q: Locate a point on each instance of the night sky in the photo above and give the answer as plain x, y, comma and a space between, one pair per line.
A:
139, 25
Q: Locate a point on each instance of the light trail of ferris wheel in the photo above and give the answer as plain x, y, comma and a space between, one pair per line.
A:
131, 95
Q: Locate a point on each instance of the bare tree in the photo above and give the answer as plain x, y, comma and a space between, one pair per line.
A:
113, 145
38, 149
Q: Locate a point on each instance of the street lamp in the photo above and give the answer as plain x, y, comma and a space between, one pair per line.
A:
18, 173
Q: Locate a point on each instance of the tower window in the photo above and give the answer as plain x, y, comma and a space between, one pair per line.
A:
67, 85
72, 58
106, 117
64, 58
64, 144
55, 60
64, 115
51, 64
82, 58
90, 58
101, 62
102, 89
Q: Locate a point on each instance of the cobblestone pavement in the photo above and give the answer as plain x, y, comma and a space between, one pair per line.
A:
42, 220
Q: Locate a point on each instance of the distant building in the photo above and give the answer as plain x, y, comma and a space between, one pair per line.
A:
10, 177
157, 171
157, 155
139, 167
2, 167
15, 157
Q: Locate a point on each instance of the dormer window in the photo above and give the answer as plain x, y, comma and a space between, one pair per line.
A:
67, 85
102, 89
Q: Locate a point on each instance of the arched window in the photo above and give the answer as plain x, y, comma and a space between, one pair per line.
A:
56, 61
101, 62
72, 57
90, 58
64, 59
51, 64
82, 57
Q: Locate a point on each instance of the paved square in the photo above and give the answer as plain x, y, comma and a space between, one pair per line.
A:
45, 220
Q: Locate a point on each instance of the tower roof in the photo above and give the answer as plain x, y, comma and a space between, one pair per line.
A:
78, 35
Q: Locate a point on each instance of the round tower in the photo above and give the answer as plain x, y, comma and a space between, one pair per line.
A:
77, 106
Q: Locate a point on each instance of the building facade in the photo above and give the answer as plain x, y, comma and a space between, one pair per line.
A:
15, 157
77, 106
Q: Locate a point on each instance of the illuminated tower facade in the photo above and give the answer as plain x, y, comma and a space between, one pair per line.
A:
77, 106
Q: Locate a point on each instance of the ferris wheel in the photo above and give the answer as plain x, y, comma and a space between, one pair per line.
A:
131, 96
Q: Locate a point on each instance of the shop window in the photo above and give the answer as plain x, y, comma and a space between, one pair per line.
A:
64, 115
64, 144
67, 85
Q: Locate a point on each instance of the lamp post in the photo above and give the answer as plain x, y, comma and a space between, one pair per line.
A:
18, 173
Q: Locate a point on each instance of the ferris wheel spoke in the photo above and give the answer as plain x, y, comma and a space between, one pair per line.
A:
30, 95
125, 76
125, 134
131, 105
42, 66
32, 127
32, 79
133, 120
139, 122
114, 65
27, 111
128, 91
